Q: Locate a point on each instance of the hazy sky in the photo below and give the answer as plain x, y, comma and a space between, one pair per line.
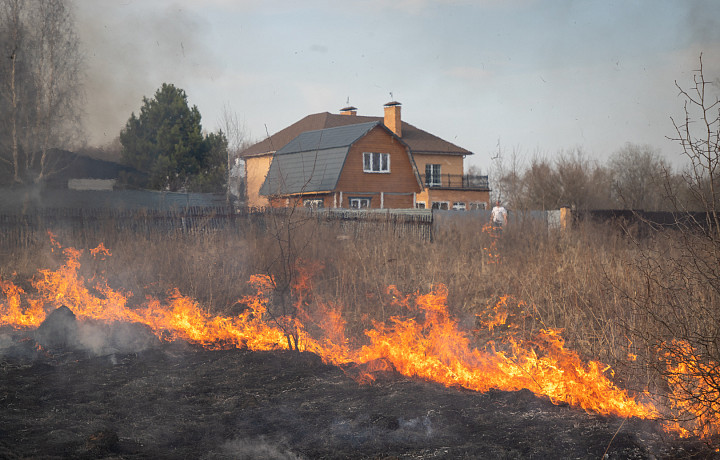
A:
537, 76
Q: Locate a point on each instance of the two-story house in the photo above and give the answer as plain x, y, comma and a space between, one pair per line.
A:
376, 162
355, 166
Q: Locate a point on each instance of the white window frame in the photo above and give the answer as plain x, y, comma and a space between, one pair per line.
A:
433, 178
474, 205
315, 203
357, 202
376, 162
420, 205
442, 205
459, 206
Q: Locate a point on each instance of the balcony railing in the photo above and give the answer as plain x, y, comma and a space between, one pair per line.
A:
456, 181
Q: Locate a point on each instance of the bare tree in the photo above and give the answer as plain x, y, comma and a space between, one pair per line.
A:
639, 177
574, 170
14, 38
699, 136
541, 185
570, 179
238, 140
507, 178
678, 292
42, 86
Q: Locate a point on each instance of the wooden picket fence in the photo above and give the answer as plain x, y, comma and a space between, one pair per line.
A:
25, 229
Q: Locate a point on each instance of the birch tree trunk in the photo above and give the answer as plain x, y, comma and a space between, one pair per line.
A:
42, 91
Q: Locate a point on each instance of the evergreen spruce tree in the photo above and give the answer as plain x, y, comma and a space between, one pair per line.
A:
166, 143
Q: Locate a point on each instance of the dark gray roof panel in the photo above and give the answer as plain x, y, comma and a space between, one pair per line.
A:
303, 172
322, 139
417, 140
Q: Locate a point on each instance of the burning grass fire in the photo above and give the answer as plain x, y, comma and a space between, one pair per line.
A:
427, 342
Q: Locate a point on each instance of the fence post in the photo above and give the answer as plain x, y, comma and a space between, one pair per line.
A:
565, 218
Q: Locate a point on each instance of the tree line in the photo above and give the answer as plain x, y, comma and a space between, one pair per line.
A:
635, 177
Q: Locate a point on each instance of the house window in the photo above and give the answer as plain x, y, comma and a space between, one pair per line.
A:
359, 203
477, 205
374, 162
432, 175
441, 205
314, 203
420, 205
459, 206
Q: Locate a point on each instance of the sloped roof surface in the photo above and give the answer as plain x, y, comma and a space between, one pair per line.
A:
418, 141
342, 136
67, 165
312, 161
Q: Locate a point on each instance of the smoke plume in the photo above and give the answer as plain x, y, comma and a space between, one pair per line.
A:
131, 49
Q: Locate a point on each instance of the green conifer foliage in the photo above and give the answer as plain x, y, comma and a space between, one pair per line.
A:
166, 143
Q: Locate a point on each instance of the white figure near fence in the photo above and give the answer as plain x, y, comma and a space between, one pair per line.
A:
498, 217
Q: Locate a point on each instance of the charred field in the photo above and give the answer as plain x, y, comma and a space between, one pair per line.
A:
176, 400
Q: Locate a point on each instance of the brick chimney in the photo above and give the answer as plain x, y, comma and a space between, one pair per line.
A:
352, 111
392, 117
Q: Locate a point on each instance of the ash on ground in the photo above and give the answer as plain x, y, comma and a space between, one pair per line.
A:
132, 397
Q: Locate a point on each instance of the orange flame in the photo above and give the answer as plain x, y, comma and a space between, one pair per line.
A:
492, 254
435, 348
11, 311
695, 390
427, 342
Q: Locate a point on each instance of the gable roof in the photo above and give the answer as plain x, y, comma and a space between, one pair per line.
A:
313, 161
417, 140
66, 165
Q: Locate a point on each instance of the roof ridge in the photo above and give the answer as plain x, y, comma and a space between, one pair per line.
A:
418, 140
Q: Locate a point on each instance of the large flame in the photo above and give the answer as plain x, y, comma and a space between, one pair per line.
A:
435, 348
426, 342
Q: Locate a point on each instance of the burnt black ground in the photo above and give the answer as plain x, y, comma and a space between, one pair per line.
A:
174, 400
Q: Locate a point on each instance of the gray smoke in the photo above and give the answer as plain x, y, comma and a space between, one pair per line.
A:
131, 49
61, 329
252, 449
704, 28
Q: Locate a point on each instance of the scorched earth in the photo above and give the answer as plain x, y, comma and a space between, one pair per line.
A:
176, 400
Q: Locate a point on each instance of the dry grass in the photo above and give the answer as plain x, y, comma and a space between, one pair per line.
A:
563, 277
581, 281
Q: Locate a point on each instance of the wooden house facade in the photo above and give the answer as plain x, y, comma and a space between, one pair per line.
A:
383, 162
356, 166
